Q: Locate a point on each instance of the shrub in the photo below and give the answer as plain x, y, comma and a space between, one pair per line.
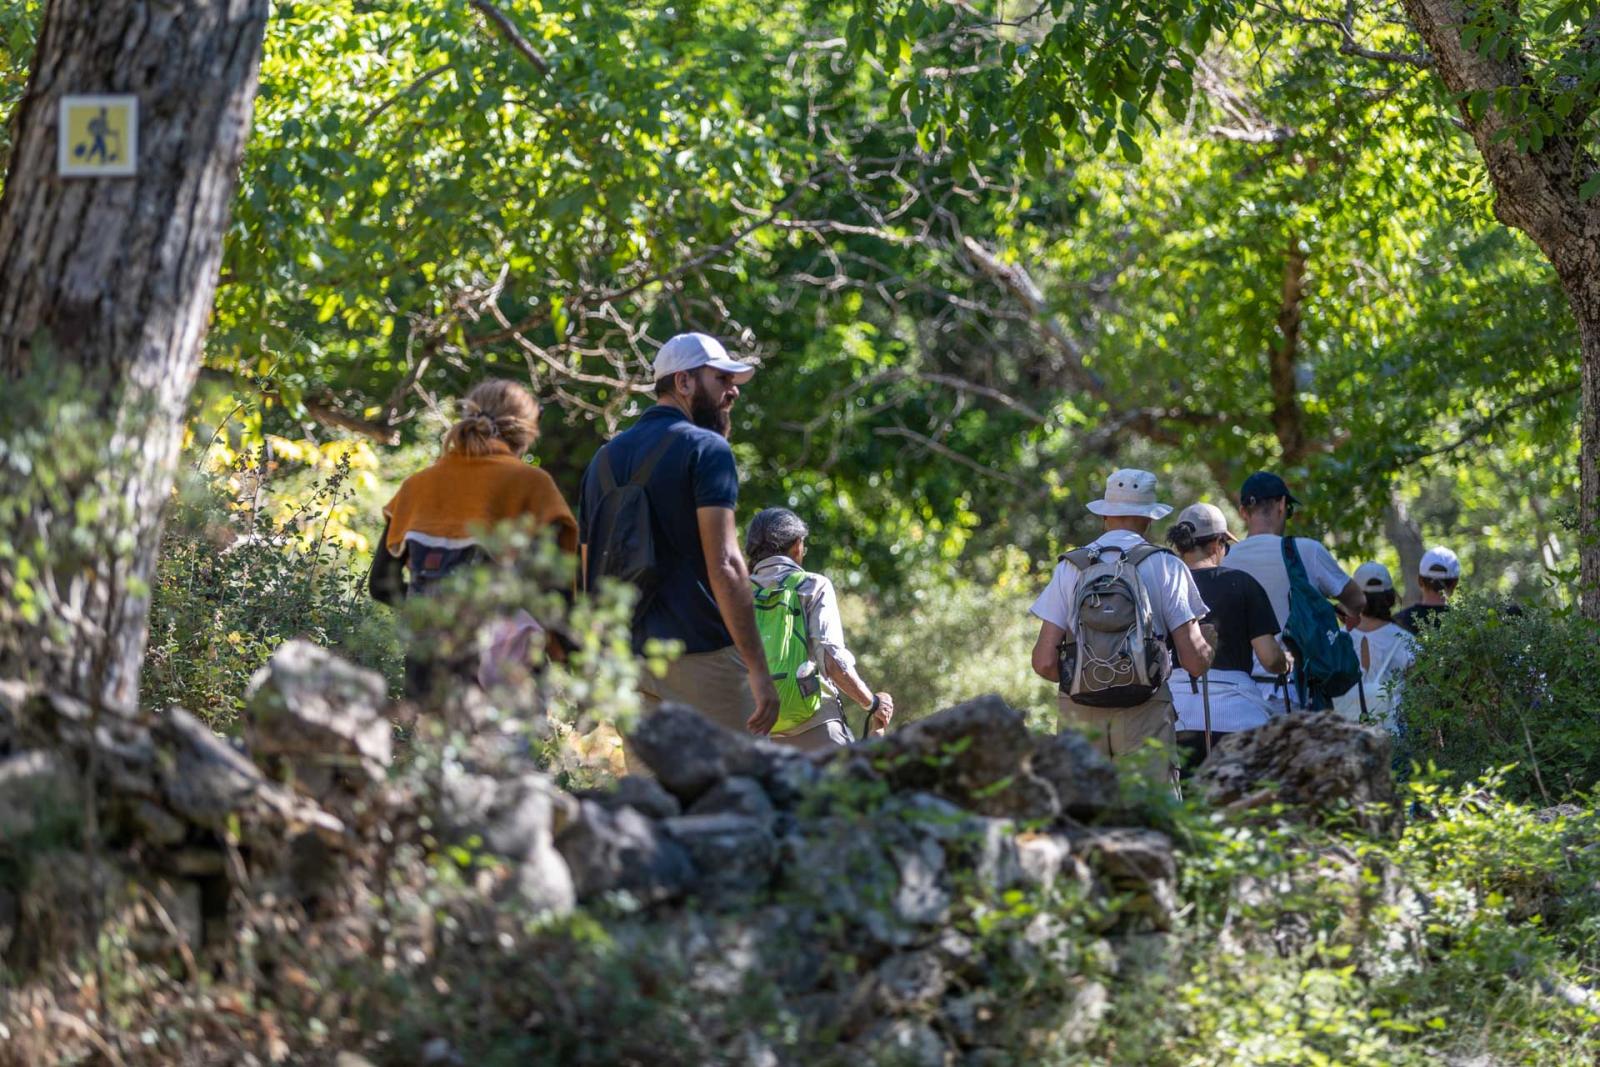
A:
233, 582
1493, 687
948, 638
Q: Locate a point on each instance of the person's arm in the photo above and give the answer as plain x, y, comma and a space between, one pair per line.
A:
1047, 651
1271, 654
730, 584
386, 580
826, 626
1194, 651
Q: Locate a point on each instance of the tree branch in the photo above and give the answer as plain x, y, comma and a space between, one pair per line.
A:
508, 29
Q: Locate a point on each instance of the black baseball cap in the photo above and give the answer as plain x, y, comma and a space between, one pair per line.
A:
1263, 486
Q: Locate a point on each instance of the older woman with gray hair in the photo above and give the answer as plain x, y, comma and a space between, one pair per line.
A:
824, 670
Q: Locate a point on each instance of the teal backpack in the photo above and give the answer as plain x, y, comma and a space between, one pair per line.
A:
781, 621
1326, 665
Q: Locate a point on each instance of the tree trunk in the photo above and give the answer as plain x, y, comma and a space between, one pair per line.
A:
1537, 192
106, 287
1406, 538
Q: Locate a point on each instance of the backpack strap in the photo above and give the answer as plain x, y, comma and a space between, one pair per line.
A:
1082, 558
641, 474
1139, 553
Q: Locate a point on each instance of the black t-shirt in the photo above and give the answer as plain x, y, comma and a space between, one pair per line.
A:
1415, 617
1241, 612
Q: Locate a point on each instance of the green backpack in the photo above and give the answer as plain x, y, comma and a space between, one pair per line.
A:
781, 621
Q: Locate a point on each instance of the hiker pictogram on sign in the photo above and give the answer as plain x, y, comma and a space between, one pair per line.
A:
99, 136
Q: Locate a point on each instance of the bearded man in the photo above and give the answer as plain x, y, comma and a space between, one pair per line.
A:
672, 473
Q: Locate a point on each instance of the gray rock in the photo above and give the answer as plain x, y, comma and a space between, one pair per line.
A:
38, 792
511, 816
911, 981
1084, 782
516, 818
644, 794
314, 708
923, 896
1316, 763
733, 853
735, 796
970, 1019
622, 850
154, 824
689, 753
1135, 862
207, 780
902, 1043
1041, 856
884, 877
972, 754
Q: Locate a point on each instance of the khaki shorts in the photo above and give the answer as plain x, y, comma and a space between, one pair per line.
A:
716, 684
1120, 733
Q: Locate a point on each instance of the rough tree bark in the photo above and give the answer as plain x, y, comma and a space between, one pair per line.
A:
1537, 192
106, 288
1406, 538
1283, 353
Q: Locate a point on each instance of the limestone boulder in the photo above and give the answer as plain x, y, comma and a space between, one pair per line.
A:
320, 714
1318, 764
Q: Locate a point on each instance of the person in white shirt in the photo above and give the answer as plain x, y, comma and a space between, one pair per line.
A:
1266, 504
1384, 647
776, 541
1127, 509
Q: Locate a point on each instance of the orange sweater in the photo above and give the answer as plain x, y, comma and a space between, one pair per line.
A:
460, 495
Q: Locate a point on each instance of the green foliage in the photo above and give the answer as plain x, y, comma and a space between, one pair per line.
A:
234, 580
1460, 939
1492, 688
944, 639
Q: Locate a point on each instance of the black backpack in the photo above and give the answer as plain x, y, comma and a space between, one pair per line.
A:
622, 543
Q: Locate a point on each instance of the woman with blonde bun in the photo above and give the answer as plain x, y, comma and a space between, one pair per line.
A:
480, 481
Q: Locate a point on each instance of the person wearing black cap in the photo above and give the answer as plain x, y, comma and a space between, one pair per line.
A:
1266, 504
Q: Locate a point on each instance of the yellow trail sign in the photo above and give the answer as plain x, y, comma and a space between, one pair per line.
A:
98, 136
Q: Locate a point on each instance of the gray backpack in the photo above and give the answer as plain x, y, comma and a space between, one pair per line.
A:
1112, 658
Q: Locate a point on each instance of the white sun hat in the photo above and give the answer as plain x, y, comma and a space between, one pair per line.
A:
1373, 578
688, 351
1439, 562
1131, 493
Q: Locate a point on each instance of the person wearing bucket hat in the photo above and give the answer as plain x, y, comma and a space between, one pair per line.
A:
1437, 575
1385, 649
657, 507
1267, 505
1225, 699
1167, 599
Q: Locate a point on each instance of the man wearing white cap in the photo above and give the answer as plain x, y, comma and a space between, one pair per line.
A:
696, 589
1437, 575
1175, 607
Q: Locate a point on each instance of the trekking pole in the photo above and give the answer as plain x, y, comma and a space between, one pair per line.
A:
1205, 702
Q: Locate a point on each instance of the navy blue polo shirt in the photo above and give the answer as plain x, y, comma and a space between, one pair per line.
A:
695, 472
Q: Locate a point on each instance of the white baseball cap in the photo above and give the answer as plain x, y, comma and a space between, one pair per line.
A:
1439, 562
688, 351
1132, 493
1374, 578
1207, 520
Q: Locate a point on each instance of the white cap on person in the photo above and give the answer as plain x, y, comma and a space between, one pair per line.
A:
1208, 521
1439, 562
690, 351
1373, 578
